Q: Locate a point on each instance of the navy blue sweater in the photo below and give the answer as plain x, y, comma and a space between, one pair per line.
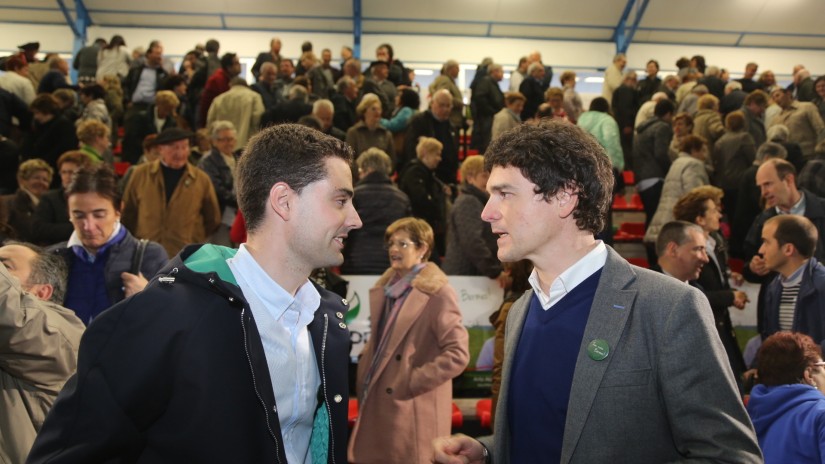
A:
542, 375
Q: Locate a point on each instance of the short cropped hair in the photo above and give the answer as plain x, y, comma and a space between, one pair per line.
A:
692, 204
684, 117
784, 356
778, 133
322, 103
47, 269
289, 153
599, 104
375, 159
707, 102
567, 76
167, 98
471, 167
512, 97
735, 121
556, 155
91, 129
663, 108
674, 232
227, 59
553, 92
75, 157
428, 145
45, 103
770, 150
797, 230
219, 126
94, 91
691, 142
757, 96
419, 231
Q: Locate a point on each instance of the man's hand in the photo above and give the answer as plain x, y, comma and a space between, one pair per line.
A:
133, 283
458, 449
740, 299
757, 265
737, 278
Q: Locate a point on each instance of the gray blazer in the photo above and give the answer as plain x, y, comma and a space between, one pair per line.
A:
664, 393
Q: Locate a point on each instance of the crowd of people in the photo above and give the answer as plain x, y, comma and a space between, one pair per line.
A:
107, 184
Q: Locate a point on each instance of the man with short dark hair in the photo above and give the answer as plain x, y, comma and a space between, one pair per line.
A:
753, 108
680, 247
795, 299
145, 80
228, 355
38, 343
597, 344
651, 83
266, 88
344, 101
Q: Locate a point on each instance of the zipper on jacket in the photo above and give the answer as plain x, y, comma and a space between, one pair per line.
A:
324, 383
255, 386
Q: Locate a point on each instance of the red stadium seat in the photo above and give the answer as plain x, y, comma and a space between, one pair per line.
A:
630, 232
484, 412
458, 418
352, 412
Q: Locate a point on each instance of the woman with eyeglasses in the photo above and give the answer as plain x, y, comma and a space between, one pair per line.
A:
787, 407
417, 345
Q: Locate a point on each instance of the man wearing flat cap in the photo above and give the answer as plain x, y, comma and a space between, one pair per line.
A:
169, 200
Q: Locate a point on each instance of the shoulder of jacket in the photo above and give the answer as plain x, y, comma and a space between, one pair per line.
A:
430, 280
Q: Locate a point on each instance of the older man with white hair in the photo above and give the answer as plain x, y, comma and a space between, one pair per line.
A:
613, 77
324, 111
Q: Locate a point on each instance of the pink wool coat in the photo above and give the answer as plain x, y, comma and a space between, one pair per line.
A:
409, 400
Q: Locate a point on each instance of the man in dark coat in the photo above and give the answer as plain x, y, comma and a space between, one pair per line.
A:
435, 122
487, 100
202, 366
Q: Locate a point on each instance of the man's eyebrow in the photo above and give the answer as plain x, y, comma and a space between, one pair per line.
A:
500, 187
348, 192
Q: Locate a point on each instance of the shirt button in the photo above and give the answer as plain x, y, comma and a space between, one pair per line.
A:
339, 315
342, 325
275, 409
389, 391
337, 398
344, 301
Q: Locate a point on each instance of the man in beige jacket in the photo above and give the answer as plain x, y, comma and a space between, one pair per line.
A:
38, 344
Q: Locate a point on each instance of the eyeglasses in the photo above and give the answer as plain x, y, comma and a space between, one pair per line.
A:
403, 244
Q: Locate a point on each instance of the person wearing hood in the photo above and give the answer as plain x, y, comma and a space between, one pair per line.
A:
788, 406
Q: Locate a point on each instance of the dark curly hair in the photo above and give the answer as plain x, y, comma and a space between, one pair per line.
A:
557, 155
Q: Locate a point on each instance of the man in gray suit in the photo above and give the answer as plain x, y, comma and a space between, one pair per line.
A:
603, 361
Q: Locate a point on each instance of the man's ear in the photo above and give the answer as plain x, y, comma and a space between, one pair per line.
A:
280, 200
567, 201
42, 291
670, 250
788, 249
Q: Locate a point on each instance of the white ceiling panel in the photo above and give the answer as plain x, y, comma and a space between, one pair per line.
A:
434, 28
288, 24
555, 32
685, 38
157, 20
42, 17
783, 41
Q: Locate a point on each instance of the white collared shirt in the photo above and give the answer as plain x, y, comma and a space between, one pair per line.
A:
282, 322
571, 277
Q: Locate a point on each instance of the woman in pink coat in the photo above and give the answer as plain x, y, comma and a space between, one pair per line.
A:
417, 345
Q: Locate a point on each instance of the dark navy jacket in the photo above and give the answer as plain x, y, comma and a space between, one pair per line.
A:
177, 373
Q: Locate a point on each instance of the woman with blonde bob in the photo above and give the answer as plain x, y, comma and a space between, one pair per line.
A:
417, 345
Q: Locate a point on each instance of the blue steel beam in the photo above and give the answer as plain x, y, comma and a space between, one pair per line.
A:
619, 32
78, 25
356, 28
640, 12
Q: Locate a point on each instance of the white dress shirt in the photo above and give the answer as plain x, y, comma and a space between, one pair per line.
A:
571, 277
282, 322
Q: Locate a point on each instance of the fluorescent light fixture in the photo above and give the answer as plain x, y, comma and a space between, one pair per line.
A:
424, 72
594, 80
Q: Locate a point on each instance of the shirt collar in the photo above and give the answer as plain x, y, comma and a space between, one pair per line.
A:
275, 298
82, 252
794, 278
571, 277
